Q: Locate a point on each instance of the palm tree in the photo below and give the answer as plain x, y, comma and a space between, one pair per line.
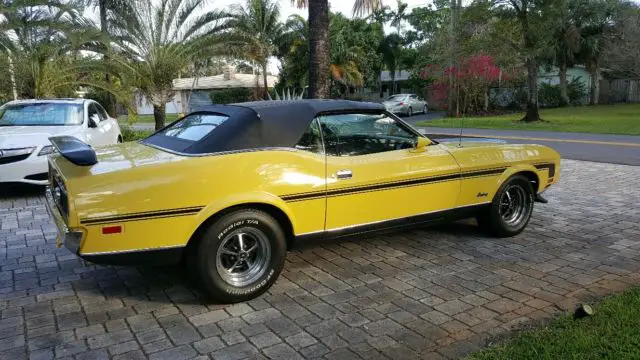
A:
398, 16
109, 10
44, 40
565, 46
156, 42
256, 30
319, 43
390, 47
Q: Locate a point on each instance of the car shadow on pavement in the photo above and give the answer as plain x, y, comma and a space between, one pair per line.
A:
17, 190
460, 228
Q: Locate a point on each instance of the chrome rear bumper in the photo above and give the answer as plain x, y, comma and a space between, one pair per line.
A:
70, 239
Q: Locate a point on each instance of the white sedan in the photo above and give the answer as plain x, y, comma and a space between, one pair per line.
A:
27, 125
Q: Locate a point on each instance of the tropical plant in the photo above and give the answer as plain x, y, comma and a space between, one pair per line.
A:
43, 42
319, 41
390, 48
256, 31
155, 42
536, 21
595, 23
108, 11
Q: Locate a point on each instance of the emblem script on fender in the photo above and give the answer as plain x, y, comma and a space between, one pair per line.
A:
482, 194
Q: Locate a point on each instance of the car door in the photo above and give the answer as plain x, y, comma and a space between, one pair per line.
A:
108, 125
96, 130
375, 174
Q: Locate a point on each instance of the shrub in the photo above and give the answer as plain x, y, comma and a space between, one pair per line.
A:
577, 90
549, 95
231, 95
130, 134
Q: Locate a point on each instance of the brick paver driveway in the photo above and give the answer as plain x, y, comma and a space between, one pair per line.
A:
427, 293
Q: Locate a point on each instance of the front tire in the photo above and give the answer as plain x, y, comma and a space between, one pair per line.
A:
510, 210
425, 110
239, 256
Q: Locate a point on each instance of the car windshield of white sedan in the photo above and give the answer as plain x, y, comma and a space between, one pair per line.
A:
41, 114
194, 127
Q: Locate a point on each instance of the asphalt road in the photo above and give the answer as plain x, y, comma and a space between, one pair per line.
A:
616, 149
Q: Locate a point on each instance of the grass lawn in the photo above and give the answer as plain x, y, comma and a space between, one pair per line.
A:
613, 332
124, 119
603, 119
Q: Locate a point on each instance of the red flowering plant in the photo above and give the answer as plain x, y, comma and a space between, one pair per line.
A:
472, 79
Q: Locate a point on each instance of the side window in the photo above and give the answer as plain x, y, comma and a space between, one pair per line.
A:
92, 112
311, 140
361, 134
101, 112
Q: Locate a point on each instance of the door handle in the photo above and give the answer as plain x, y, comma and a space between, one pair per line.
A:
343, 174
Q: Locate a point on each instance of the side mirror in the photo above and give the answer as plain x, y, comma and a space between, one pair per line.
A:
422, 143
93, 121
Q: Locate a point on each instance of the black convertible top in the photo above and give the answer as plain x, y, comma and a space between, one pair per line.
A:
260, 124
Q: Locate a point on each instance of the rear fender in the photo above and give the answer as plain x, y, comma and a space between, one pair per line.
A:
239, 200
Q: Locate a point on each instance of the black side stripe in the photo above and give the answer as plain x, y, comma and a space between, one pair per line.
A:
390, 185
142, 216
550, 166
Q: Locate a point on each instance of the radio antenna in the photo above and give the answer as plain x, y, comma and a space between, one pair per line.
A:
461, 126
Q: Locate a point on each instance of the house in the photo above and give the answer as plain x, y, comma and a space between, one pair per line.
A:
402, 76
192, 93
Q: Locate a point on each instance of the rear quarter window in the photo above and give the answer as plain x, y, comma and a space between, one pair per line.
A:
194, 127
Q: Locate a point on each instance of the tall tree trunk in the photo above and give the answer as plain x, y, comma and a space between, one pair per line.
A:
159, 115
532, 96
595, 85
319, 49
265, 94
452, 106
111, 104
12, 75
564, 94
393, 83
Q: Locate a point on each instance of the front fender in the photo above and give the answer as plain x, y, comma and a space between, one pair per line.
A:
515, 169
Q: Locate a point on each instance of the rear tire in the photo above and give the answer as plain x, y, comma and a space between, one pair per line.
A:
239, 256
119, 141
510, 210
409, 112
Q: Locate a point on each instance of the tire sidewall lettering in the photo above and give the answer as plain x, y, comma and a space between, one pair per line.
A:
253, 288
251, 222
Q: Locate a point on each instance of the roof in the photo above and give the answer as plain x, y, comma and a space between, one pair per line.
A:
261, 124
223, 81
401, 75
48, 101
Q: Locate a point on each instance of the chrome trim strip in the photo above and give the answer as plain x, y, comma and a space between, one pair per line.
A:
132, 251
219, 152
382, 221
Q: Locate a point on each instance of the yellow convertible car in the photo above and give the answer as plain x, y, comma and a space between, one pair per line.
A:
226, 190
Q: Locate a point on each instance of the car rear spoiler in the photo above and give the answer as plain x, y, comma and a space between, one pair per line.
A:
74, 150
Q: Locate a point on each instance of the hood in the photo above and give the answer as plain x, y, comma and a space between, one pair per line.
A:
469, 142
12, 137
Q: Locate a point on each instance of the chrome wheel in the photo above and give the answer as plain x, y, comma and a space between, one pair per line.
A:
514, 205
409, 112
243, 256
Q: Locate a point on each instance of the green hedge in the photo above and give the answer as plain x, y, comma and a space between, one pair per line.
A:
228, 96
129, 134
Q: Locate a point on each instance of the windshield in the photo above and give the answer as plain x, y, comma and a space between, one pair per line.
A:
396, 98
41, 114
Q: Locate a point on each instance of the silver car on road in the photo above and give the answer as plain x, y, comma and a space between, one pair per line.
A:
406, 104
